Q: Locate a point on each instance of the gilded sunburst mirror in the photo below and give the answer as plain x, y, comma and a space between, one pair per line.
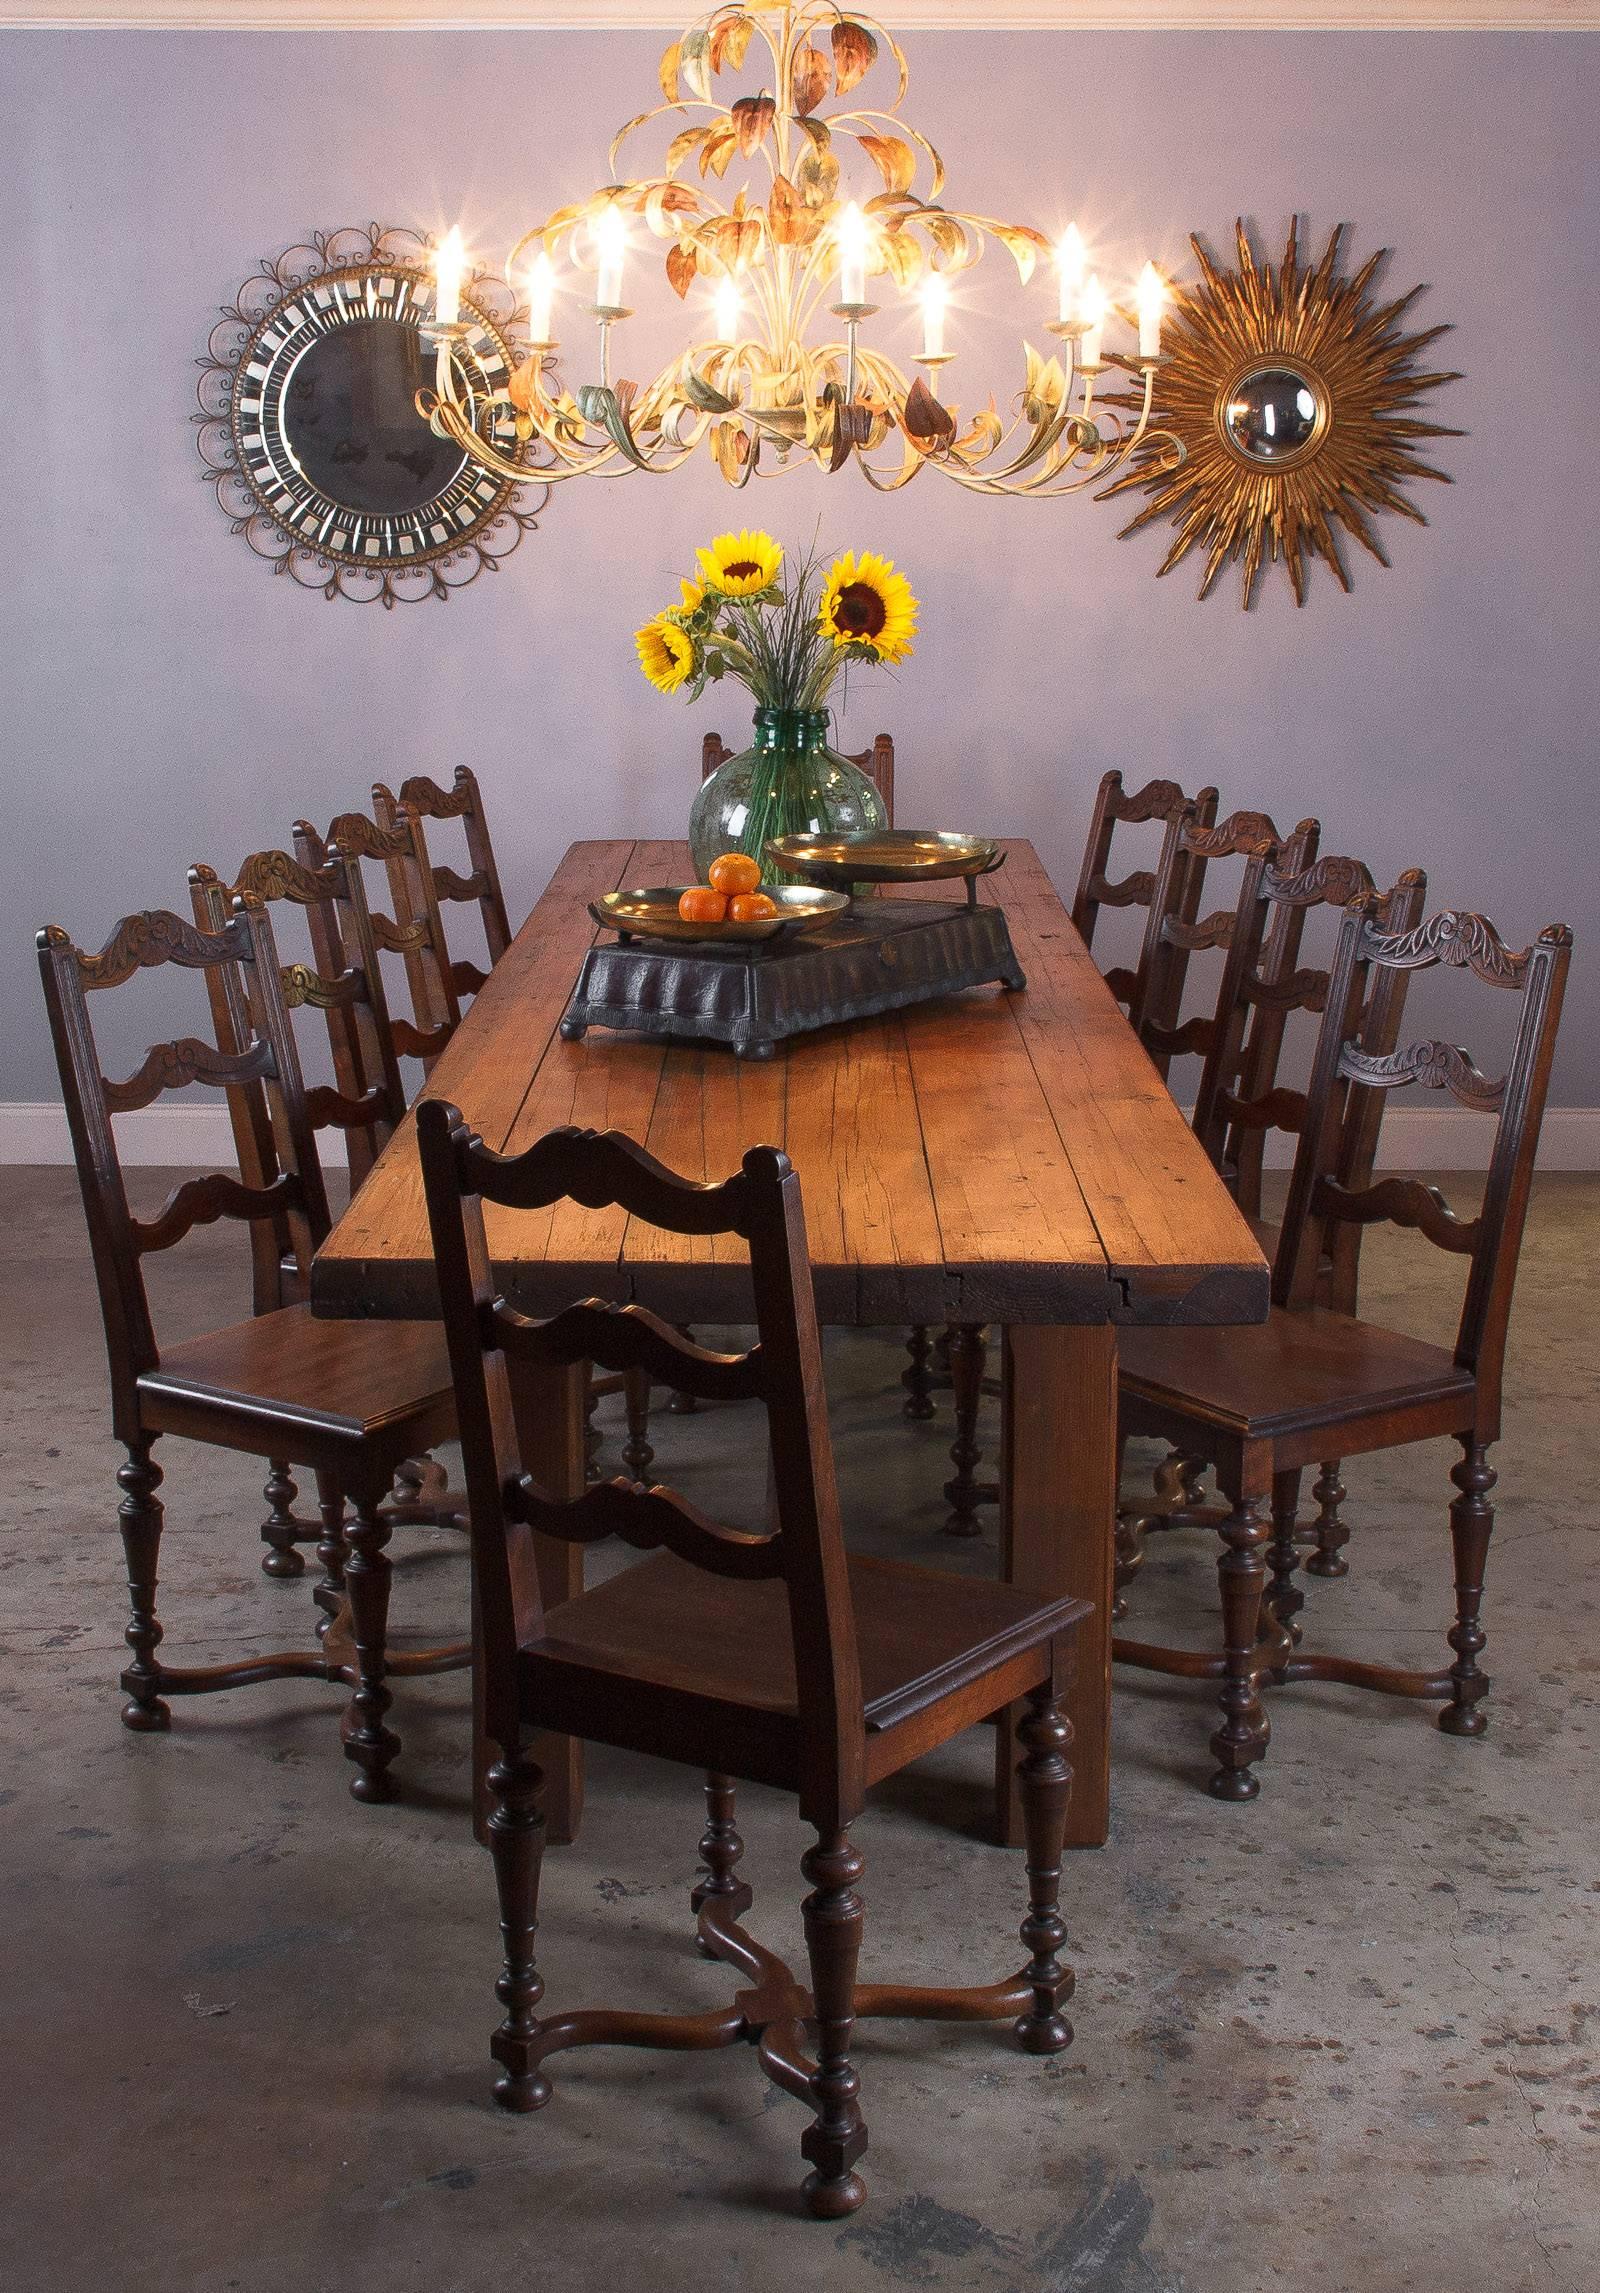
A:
1294, 392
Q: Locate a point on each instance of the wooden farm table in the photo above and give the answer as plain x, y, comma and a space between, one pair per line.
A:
1002, 1158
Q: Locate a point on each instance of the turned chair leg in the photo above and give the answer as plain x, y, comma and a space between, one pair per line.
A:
1130, 1557
367, 1574
1180, 1487
1128, 1533
139, 1516
1283, 1598
720, 1850
833, 1915
637, 1454
328, 1591
918, 1378
280, 1529
1243, 1736
1329, 1530
1045, 1778
1471, 1525
591, 1432
968, 1353
516, 1843
682, 1404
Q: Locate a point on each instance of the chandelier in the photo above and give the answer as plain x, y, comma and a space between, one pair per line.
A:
774, 385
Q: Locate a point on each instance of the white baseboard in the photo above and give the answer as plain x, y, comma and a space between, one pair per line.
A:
35, 1130
1414, 1138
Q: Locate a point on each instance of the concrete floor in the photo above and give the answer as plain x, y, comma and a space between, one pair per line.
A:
1343, 2038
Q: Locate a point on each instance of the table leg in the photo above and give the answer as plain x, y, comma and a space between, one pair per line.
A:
1058, 1506
548, 1405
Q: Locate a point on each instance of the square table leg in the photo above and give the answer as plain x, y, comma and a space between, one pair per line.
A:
1058, 1509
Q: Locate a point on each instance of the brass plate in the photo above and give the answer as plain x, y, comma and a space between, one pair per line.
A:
886, 856
651, 912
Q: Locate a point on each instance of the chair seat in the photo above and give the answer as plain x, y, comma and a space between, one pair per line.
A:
285, 1383
1297, 1371
723, 1643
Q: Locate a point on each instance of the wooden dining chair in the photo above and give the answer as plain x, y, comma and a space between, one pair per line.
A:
365, 1104
877, 762
760, 1654
349, 1400
1175, 931
1241, 1102
480, 887
1114, 807
1263, 1403
414, 932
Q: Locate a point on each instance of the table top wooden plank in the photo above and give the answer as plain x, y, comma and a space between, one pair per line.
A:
989, 1157
1007, 1196
1170, 1229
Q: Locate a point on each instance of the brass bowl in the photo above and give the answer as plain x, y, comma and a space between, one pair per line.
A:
885, 856
651, 912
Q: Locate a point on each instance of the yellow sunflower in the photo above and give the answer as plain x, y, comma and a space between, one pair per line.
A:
865, 602
693, 596
740, 564
668, 655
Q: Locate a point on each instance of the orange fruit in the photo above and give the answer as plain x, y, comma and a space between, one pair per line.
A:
751, 907
735, 872
701, 905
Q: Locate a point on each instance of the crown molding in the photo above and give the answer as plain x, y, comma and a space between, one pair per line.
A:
1017, 15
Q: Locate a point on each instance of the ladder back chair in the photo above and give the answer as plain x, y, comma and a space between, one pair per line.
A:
366, 1103
480, 887
751, 1654
1241, 1101
414, 932
350, 1400
877, 762
1114, 806
1175, 931
1273, 1399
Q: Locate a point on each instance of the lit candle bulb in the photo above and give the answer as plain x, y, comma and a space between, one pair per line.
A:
1151, 295
1069, 261
851, 233
935, 295
610, 239
448, 265
725, 305
541, 295
1092, 313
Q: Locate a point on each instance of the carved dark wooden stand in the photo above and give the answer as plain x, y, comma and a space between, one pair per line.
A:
879, 956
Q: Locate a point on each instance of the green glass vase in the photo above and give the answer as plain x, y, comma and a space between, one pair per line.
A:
788, 782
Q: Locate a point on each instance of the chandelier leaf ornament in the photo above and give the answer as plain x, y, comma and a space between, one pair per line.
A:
798, 266
1295, 391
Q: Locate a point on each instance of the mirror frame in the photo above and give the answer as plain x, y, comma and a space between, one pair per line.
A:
1326, 325
340, 278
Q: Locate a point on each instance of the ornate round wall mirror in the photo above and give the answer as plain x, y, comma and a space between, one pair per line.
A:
310, 433
1298, 397
1274, 416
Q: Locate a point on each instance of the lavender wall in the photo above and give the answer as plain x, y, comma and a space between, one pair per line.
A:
167, 699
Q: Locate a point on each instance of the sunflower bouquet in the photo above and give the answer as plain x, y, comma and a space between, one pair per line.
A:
789, 635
